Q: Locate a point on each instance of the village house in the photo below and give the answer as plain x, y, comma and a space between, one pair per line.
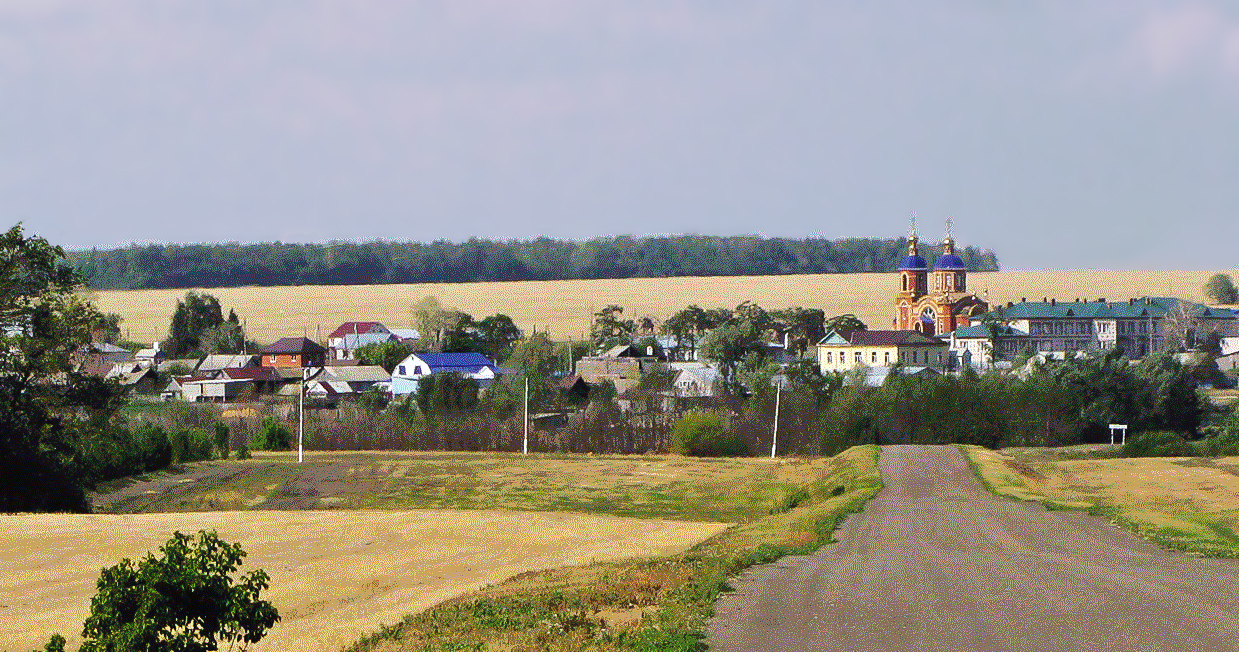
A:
293, 352
352, 335
418, 365
842, 351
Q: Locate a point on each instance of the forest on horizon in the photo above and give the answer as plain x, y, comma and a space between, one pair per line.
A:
161, 266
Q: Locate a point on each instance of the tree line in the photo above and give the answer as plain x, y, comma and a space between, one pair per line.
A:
155, 266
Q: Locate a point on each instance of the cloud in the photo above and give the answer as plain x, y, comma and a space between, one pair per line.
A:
1186, 40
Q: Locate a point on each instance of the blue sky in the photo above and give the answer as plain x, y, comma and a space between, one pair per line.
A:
1064, 135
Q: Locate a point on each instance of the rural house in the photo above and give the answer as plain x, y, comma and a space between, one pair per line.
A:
417, 365
352, 335
843, 350
294, 352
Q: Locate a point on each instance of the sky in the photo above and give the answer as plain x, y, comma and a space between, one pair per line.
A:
1060, 134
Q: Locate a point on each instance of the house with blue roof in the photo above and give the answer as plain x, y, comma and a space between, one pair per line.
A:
416, 366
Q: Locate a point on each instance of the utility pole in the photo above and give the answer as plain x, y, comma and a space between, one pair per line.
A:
301, 418
525, 445
774, 441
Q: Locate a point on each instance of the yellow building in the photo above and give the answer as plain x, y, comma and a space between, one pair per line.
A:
843, 351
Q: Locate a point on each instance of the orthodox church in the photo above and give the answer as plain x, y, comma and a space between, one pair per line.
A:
946, 305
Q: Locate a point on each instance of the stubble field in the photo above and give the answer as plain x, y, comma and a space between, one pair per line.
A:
565, 308
338, 573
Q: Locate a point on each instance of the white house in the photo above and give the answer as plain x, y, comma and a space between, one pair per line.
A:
418, 365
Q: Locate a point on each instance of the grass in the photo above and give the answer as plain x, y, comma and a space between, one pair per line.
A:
734, 490
1186, 504
565, 308
649, 604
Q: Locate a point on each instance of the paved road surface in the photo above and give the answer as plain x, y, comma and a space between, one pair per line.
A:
936, 563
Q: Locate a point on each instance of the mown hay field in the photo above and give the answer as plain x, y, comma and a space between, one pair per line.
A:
334, 575
566, 308
1179, 502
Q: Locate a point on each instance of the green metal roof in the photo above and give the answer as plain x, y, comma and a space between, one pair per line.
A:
1148, 307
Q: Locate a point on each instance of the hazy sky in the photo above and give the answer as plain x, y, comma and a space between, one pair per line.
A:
1061, 134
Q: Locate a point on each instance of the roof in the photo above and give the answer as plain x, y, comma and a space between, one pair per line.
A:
461, 363
876, 338
357, 374
224, 361
293, 345
983, 331
1148, 307
949, 261
355, 327
265, 374
914, 263
406, 333
329, 387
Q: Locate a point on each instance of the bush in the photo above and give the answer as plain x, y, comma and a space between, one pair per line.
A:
243, 452
272, 436
222, 435
705, 434
184, 599
1157, 443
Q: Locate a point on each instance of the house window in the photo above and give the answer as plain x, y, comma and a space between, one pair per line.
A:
830, 357
886, 358
400, 370
273, 359
873, 357
860, 357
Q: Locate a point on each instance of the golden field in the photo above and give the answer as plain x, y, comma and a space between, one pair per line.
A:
335, 575
566, 308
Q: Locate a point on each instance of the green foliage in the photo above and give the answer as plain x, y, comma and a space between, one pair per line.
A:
441, 395
535, 354
609, 328
1157, 443
1220, 288
42, 324
190, 445
243, 452
222, 435
373, 400
184, 600
705, 434
268, 264
194, 314
271, 436
383, 354
845, 322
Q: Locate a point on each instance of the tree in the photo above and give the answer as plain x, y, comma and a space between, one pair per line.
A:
227, 337
433, 320
845, 322
609, 328
534, 354
383, 354
43, 324
1220, 288
194, 314
184, 600
495, 334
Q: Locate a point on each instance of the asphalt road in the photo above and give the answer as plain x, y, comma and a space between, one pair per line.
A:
936, 563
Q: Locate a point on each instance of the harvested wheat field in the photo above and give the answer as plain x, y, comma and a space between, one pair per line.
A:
334, 575
566, 308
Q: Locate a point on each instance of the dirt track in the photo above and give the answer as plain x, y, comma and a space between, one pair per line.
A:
936, 563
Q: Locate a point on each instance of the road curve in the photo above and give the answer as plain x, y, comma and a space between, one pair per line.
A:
936, 563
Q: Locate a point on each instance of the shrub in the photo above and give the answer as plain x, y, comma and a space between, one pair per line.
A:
1157, 443
221, 439
184, 599
705, 434
272, 436
243, 452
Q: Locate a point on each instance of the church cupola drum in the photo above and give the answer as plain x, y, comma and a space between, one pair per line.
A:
946, 305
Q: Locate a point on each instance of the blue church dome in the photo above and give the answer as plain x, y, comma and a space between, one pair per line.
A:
913, 262
949, 261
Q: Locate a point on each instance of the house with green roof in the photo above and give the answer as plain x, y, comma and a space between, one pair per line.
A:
1135, 326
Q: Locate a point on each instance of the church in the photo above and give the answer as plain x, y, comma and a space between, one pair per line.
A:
946, 305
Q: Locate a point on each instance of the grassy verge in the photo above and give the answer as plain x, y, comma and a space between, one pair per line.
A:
651, 604
1185, 504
